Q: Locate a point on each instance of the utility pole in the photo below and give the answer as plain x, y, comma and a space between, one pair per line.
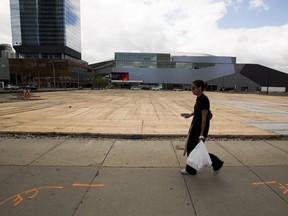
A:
268, 82
53, 68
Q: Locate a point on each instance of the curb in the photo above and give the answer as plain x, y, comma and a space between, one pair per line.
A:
140, 136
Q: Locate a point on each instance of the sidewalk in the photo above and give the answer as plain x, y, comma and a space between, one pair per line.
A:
83, 177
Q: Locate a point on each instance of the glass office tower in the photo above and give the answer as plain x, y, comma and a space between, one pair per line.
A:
48, 29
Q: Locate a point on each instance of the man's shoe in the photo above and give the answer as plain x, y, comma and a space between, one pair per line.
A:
184, 172
217, 170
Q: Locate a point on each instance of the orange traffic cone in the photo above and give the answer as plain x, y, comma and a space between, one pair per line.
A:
24, 93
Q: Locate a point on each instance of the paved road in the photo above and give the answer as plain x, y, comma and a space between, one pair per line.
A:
68, 177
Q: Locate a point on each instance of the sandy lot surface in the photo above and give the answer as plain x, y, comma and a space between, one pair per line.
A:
140, 112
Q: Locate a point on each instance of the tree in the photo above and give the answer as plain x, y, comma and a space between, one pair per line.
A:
98, 81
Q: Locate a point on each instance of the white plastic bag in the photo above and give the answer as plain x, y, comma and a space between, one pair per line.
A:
199, 157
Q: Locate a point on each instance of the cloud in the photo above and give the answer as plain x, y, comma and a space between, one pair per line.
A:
5, 35
266, 46
235, 4
154, 26
167, 26
259, 4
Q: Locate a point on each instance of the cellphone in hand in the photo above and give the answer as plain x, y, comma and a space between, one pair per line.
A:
186, 115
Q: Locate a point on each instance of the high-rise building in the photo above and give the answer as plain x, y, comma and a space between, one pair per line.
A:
46, 29
47, 40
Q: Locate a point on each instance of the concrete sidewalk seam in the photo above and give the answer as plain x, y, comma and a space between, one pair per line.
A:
86, 191
275, 146
49, 150
184, 179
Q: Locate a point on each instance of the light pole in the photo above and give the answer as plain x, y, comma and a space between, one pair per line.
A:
268, 82
78, 76
53, 73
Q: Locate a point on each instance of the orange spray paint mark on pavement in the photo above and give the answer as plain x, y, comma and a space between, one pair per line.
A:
31, 193
284, 188
88, 185
264, 183
18, 198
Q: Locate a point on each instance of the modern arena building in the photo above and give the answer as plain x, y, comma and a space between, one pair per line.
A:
178, 71
169, 70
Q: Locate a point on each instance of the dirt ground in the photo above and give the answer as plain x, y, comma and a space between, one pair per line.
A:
140, 112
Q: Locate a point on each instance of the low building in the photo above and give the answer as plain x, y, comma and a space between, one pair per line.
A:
4, 72
171, 71
48, 73
42, 73
178, 71
6, 52
252, 77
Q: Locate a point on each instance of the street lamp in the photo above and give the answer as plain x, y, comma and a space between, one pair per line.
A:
268, 82
53, 72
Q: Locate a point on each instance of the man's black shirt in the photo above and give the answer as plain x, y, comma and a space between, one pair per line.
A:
202, 103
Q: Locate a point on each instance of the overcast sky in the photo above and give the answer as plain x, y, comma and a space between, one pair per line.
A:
254, 31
